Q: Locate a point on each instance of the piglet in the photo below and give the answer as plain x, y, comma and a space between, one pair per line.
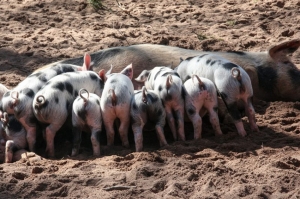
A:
18, 101
168, 85
232, 83
146, 107
86, 115
200, 96
53, 103
115, 103
14, 134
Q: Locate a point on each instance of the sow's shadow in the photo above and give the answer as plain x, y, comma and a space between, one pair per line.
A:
274, 133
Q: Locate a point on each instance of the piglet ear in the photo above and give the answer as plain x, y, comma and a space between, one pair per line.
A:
143, 76
102, 75
128, 71
283, 49
86, 62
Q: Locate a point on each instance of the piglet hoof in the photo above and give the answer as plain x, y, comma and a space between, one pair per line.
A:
254, 128
126, 145
243, 133
74, 152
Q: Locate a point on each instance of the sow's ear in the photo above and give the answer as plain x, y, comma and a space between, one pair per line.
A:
284, 49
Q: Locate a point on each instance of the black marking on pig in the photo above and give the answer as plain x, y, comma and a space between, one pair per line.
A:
113, 81
59, 85
202, 55
153, 98
67, 105
57, 69
93, 76
28, 92
148, 74
42, 77
267, 77
183, 93
6, 94
44, 105
208, 61
14, 125
168, 97
82, 114
224, 96
213, 62
158, 112
237, 52
97, 101
32, 120
69, 87
171, 73
66, 68
75, 93
216, 109
144, 107
160, 88
134, 106
229, 65
234, 111
158, 72
189, 58
294, 75
187, 78
191, 111
56, 100
39, 88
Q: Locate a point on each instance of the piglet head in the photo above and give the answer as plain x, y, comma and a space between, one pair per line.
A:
128, 71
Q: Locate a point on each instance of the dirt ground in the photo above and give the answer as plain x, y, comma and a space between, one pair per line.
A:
261, 165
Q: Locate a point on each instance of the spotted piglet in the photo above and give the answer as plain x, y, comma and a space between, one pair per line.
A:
168, 85
13, 135
53, 103
146, 107
18, 101
86, 116
201, 97
232, 83
115, 103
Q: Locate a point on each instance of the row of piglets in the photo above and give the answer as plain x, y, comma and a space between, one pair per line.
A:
194, 84
18, 102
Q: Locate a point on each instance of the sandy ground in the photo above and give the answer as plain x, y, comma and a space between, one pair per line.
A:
262, 165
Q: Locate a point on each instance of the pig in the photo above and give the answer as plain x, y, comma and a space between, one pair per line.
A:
3, 90
232, 83
86, 115
18, 101
13, 135
273, 75
200, 97
146, 106
52, 104
115, 103
168, 85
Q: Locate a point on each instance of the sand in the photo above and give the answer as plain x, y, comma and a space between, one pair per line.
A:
264, 164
